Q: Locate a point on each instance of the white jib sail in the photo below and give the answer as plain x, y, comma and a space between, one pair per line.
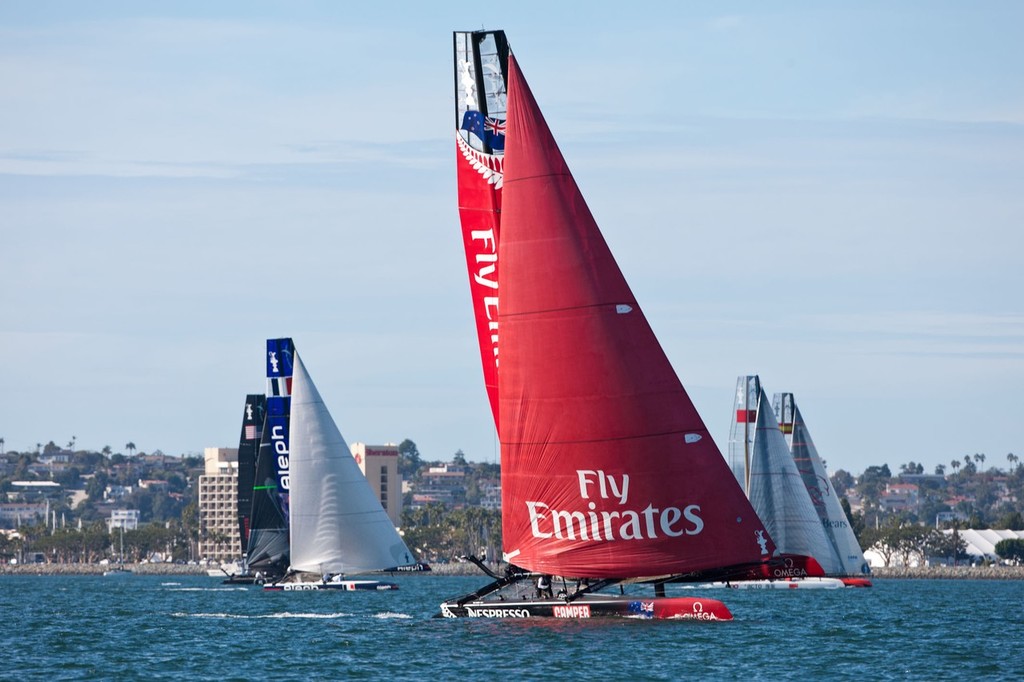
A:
819, 487
337, 523
778, 494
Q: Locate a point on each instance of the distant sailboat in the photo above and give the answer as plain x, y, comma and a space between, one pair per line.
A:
761, 461
338, 526
609, 476
849, 562
253, 418
119, 570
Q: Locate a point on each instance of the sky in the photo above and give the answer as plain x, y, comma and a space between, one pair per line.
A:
829, 195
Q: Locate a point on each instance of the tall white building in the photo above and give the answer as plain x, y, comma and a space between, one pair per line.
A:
123, 518
218, 506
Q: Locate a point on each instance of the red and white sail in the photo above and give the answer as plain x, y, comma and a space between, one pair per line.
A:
480, 64
607, 469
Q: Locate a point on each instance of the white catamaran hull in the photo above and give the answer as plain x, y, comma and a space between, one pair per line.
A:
344, 585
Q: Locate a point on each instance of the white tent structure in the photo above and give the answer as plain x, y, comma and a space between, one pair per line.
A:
981, 544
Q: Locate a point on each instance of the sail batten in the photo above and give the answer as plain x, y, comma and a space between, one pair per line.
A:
608, 471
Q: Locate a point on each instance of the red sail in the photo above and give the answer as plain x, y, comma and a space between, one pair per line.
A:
480, 66
607, 469
479, 211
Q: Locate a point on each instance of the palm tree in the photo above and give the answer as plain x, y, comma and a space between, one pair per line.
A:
2, 446
979, 457
130, 447
955, 464
1010, 457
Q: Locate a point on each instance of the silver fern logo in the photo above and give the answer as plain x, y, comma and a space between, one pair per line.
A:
490, 166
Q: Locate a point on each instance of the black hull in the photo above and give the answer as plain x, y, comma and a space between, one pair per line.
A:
594, 606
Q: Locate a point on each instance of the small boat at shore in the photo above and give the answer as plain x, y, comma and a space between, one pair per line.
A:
119, 571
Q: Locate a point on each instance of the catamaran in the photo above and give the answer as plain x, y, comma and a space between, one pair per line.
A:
760, 458
850, 566
338, 526
610, 479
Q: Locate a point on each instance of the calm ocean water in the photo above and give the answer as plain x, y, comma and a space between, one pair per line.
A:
160, 627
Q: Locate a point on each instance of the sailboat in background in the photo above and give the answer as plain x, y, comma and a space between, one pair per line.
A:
761, 461
338, 526
609, 476
850, 565
119, 570
253, 418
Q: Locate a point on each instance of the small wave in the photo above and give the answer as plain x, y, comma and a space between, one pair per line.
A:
169, 584
208, 589
391, 614
261, 616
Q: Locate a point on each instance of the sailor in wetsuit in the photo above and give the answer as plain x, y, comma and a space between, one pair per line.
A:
544, 586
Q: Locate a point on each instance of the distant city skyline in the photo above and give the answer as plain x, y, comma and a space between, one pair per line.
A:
827, 196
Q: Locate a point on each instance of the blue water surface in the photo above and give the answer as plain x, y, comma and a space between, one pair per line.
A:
192, 627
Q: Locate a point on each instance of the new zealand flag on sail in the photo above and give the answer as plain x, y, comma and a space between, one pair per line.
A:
490, 130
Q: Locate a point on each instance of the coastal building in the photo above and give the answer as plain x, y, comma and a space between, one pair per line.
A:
445, 484
490, 494
14, 514
128, 519
899, 497
218, 506
379, 463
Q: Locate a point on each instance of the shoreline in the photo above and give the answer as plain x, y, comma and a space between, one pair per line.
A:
881, 573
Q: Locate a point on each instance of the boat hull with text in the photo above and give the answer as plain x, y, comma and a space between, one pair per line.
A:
593, 606
342, 585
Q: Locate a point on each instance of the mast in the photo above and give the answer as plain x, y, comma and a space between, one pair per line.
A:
746, 441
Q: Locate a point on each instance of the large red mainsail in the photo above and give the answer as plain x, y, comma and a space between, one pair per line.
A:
607, 469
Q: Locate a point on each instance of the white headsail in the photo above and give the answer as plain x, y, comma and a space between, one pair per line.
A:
774, 485
823, 495
337, 524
